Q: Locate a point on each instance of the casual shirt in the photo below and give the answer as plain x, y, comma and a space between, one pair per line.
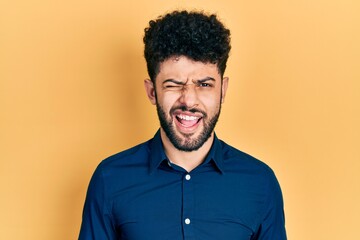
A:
138, 194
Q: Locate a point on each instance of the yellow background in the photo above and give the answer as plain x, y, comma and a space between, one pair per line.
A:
71, 94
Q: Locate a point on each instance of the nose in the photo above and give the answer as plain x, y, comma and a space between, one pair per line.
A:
189, 96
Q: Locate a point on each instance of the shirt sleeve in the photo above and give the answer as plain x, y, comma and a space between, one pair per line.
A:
273, 224
96, 220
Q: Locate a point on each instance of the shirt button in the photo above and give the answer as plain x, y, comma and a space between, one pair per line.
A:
187, 221
187, 177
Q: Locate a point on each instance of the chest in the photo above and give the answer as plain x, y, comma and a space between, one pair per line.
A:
204, 205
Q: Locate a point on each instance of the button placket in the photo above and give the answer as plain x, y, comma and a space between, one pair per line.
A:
188, 206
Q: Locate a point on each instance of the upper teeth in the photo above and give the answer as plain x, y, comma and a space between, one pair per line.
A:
188, 118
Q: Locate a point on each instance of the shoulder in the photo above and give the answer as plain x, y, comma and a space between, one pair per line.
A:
134, 155
236, 159
256, 173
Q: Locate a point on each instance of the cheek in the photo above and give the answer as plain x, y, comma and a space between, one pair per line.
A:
167, 100
211, 102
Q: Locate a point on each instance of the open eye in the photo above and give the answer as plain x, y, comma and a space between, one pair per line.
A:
204, 85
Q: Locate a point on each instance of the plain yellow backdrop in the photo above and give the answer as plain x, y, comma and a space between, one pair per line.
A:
71, 94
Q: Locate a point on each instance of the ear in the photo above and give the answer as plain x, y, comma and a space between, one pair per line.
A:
150, 90
225, 83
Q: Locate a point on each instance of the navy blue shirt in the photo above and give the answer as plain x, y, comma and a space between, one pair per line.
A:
138, 194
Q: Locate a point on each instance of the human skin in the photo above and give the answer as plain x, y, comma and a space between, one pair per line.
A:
181, 84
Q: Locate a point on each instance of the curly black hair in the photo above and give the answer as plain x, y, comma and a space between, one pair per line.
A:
196, 35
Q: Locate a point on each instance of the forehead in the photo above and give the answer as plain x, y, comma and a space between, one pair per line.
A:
183, 68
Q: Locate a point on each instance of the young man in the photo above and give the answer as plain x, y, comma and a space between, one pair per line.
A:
184, 183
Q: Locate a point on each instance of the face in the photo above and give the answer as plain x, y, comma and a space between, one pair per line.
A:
188, 96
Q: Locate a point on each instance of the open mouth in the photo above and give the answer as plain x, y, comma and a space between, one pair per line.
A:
187, 122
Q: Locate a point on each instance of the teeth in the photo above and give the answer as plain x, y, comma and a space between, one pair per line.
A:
188, 118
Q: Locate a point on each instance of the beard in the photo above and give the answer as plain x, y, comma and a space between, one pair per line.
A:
186, 143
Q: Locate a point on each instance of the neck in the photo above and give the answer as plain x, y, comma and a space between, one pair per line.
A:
186, 160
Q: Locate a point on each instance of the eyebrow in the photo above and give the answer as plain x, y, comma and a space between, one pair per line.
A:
182, 83
206, 79
173, 81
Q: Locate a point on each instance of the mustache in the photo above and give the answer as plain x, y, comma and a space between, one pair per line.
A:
187, 109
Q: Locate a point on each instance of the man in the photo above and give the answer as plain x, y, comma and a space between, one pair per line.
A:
184, 183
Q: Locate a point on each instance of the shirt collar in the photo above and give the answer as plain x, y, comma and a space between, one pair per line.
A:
157, 153
216, 155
